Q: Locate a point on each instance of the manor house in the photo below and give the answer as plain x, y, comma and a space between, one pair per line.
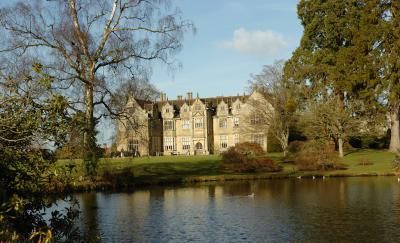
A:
193, 126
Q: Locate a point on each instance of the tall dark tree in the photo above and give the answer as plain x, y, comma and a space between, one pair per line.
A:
337, 56
390, 67
92, 46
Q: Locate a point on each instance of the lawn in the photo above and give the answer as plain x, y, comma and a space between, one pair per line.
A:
179, 169
382, 162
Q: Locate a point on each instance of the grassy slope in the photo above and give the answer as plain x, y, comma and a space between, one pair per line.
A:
151, 170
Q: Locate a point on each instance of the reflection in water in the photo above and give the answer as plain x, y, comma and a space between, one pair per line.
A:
335, 209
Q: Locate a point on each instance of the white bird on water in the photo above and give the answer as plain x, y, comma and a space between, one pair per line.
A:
398, 179
313, 177
299, 177
251, 195
323, 177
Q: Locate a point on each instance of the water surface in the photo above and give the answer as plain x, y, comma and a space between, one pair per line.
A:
287, 210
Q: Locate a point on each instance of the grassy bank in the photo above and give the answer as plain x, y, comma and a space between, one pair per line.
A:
130, 172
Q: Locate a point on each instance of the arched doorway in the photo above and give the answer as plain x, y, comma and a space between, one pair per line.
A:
199, 148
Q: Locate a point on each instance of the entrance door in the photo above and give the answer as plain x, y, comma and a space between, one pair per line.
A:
199, 148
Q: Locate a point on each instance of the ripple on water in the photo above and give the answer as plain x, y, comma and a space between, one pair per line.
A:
342, 209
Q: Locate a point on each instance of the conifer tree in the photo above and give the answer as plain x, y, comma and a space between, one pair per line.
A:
336, 58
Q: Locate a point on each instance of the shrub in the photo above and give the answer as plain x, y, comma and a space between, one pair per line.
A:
396, 162
248, 157
295, 146
370, 141
273, 144
364, 161
314, 156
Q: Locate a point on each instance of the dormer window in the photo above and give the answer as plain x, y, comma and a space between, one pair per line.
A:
167, 110
256, 119
197, 108
222, 107
235, 121
238, 106
198, 123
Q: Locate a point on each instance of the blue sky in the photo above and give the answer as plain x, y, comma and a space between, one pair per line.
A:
234, 39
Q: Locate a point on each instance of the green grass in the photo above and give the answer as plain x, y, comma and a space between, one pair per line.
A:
179, 169
382, 162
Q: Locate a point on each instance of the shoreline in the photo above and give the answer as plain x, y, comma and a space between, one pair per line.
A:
104, 186
132, 173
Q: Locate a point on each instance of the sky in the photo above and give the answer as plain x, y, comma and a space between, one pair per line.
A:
234, 39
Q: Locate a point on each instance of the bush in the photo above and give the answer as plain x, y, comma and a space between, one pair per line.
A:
364, 161
248, 157
295, 146
370, 141
314, 156
273, 144
396, 162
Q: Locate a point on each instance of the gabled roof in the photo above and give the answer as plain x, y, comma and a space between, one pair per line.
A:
210, 102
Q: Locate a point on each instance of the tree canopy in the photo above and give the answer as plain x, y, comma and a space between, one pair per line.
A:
339, 56
93, 47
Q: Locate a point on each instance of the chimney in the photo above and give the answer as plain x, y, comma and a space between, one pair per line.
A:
161, 96
189, 95
179, 97
165, 97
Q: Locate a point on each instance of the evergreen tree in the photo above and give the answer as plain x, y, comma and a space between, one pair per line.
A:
337, 55
390, 66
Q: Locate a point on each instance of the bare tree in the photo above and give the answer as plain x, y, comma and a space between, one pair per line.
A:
326, 121
91, 46
277, 109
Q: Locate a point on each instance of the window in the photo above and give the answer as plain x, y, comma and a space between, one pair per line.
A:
168, 143
186, 143
223, 123
236, 138
198, 123
185, 124
256, 119
223, 141
238, 107
133, 145
236, 121
167, 110
258, 138
168, 125
197, 108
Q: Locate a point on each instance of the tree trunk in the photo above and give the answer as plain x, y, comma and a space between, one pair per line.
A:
336, 141
283, 138
394, 128
88, 137
340, 144
285, 145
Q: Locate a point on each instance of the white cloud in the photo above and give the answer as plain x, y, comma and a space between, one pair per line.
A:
260, 43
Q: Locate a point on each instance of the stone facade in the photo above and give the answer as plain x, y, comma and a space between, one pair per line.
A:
191, 126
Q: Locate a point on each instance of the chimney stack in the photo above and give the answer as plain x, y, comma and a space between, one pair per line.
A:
189, 95
179, 97
163, 97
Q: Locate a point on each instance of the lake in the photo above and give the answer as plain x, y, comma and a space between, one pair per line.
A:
363, 209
